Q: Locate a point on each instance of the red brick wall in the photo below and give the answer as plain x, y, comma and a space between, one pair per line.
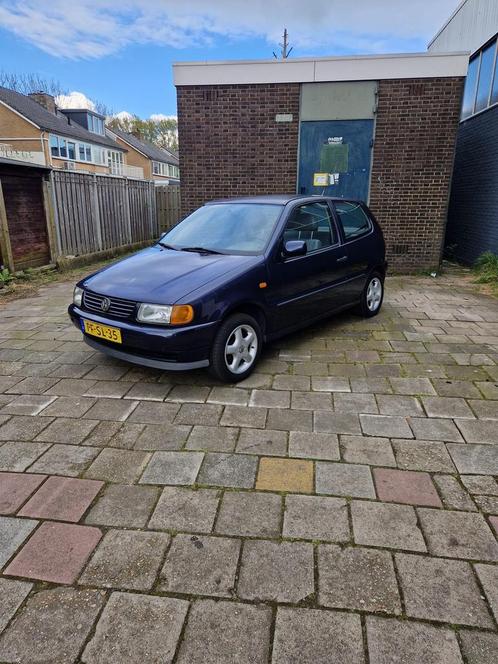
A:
230, 144
415, 134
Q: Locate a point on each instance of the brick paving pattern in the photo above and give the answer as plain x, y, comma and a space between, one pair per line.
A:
339, 506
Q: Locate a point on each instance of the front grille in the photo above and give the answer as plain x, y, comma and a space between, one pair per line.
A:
118, 308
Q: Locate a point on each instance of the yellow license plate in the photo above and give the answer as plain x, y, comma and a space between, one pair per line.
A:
103, 331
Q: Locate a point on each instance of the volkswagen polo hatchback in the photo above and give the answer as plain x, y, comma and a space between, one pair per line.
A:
233, 275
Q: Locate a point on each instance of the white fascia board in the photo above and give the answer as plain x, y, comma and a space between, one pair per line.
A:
310, 70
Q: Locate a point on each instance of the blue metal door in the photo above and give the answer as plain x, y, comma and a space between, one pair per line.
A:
334, 158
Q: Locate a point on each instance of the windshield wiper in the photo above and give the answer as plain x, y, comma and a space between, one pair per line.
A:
167, 246
201, 250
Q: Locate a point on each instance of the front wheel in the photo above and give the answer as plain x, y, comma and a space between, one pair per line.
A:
236, 348
372, 296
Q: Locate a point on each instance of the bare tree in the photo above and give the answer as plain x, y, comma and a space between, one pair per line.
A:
25, 83
30, 82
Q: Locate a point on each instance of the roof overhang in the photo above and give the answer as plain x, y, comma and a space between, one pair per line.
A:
311, 70
25, 164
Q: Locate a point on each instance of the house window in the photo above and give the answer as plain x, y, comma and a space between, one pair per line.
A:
481, 84
65, 149
54, 145
168, 170
62, 148
95, 124
85, 152
71, 151
115, 162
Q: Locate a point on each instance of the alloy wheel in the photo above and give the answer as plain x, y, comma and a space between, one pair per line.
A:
374, 294
241, 349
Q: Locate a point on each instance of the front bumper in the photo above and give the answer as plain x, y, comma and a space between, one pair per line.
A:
174, 349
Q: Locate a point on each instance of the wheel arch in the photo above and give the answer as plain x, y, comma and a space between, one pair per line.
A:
250, 308
381, 268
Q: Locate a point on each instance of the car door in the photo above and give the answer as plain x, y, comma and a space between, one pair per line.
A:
356, 229
304, 287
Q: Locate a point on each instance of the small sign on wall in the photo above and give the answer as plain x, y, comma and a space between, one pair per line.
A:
284, 117
320, 179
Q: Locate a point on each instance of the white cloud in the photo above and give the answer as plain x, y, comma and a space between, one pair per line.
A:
74, 100
123, 115
157, 117
95, 28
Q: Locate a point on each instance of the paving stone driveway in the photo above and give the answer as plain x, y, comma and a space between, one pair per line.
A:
339, 506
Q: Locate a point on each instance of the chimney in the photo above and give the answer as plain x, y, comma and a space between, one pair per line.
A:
45, 100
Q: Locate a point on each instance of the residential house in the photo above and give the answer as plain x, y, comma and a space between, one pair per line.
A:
33, 129
157, 163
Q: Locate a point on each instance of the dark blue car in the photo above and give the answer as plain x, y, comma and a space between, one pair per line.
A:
230, 277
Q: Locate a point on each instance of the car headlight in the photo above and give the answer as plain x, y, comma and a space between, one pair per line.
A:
165, 314
77, 296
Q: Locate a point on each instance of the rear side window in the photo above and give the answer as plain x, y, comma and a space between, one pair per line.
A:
353, 219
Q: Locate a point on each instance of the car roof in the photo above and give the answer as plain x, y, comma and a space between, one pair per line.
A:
276, 199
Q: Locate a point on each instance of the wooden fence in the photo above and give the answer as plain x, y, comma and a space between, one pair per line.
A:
95, 213
168, 205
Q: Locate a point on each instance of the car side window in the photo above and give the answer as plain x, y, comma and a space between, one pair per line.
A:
313, 224
353, 219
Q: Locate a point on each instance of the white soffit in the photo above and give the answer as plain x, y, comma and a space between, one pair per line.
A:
310, 70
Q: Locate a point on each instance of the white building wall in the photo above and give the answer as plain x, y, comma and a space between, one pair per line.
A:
468, 28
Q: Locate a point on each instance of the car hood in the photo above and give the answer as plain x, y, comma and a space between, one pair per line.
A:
164, 276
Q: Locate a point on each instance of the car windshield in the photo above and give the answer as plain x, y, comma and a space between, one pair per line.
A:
226, 228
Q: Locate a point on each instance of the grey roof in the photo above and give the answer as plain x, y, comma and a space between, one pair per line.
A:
48, 121
148, 149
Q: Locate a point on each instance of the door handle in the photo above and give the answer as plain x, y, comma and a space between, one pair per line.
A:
342, 259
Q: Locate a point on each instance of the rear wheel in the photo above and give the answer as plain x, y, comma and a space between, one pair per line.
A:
372, 296
236, 348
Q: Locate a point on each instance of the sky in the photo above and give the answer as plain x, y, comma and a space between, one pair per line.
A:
121, 53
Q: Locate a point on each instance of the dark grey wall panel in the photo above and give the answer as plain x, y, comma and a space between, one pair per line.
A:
473, 211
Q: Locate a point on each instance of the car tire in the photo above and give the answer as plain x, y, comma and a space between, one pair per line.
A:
236, 348
372, 296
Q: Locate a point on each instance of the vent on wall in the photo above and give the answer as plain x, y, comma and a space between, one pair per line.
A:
416, 89
399, 249
210, 95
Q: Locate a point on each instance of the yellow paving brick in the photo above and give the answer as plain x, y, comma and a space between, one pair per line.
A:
285, 475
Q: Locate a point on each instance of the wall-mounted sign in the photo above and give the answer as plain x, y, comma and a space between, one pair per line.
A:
284, 117
320, 179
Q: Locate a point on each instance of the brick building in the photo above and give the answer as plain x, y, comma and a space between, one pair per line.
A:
380, 128
473, 209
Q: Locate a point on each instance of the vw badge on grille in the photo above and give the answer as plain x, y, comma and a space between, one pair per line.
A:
105, 304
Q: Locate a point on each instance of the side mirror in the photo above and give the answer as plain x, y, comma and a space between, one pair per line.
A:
294, 248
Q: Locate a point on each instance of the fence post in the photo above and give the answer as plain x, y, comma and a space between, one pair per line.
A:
127, 210
53, 243
5, 246
94, 194
154, 226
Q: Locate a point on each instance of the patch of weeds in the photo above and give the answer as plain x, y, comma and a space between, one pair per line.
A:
5, 276
486, 268
25, 275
